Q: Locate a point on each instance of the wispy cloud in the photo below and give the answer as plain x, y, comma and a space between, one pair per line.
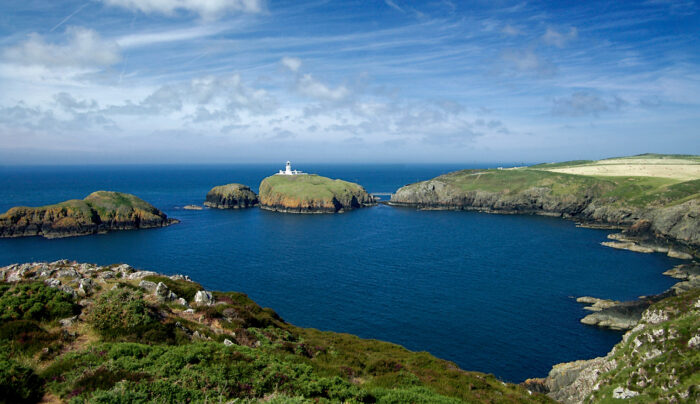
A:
206, 8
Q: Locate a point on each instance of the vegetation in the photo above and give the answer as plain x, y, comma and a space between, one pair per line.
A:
309, 187
655, 360
129, 346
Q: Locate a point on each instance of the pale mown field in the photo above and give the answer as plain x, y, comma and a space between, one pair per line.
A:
677, 169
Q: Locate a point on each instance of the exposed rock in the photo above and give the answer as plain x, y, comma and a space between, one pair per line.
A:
99, 212
181, 301
192, 207
624, 315
68, 273
596, 304
148, 285
311, 194
228, 342
679, 254
84, 287
204, 297
627, 246
53, 282
140, 274
179, 277
694, 342
231, 196
67, 322
164, 293
624, 393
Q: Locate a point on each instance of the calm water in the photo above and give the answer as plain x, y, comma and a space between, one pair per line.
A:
489, 292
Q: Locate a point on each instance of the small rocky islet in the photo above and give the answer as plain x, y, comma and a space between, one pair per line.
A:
231, 196
310, 193
99, 212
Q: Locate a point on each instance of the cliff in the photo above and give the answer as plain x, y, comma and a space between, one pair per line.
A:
88, 333
656, 361
231, 196
655, 210
99, 212
311, 194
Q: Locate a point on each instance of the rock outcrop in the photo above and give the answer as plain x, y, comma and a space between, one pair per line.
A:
311, 194
580, 198
231, 196
99, 212
656, 361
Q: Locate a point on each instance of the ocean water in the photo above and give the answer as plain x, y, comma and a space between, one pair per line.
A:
492, 293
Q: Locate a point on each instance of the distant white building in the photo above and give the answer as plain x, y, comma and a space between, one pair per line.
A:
288, 170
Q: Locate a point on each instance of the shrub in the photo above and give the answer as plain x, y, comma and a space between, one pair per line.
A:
24, 336
122, 313
35, 301
181, 288
18, 384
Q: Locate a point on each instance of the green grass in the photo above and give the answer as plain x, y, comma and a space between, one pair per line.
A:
308, 187
181, 288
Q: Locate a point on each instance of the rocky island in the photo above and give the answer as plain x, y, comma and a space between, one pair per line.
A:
310, 193
99, 212
113, 334
654, 198
231, 196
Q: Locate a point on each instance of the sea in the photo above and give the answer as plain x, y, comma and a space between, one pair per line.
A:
491, 293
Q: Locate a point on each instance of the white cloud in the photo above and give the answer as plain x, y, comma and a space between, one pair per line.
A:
393, 5
291, 63
150, 38
555, 38
82, 48
311, 87
528, 61
205, 8
510, 30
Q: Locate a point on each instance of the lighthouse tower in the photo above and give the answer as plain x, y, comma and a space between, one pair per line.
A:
288, 170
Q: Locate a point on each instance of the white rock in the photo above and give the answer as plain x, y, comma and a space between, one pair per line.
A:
84, 286
140, 274
189, 311
53, 283
204, 297
694, 342
67, 273
182, 301
148, 285
623, 393
228, 342
654, 316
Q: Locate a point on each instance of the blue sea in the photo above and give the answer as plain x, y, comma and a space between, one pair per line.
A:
492, 293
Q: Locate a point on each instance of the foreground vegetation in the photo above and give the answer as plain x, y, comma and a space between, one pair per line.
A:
112, 335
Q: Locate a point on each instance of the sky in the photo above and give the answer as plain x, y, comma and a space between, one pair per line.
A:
395, 81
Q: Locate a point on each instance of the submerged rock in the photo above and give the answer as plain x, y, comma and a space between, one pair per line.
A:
231, 196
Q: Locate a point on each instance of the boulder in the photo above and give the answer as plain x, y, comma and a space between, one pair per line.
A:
148, 286
204, 298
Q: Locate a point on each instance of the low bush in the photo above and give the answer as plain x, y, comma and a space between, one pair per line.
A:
181, 288
35, 301
18, 384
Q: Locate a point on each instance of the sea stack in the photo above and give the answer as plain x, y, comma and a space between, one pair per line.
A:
293, 191
99, 212
231, 196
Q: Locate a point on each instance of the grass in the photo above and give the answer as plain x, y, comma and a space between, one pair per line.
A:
124, 360
308, 187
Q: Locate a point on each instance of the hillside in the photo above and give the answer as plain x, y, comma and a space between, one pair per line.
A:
99, 212
112, 334
311, 193
655, 197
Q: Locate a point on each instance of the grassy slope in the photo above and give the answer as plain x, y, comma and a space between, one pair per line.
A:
655, 360
630, 191
150, 357
308, 187
106, 205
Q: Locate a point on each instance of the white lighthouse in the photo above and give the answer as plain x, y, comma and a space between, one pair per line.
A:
288, 170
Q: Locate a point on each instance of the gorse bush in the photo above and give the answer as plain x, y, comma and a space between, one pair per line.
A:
35, 301
18, 384
121, 312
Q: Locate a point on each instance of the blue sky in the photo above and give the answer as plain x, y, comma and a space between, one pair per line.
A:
239, 81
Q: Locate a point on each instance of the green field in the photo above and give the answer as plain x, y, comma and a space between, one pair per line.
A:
308, 187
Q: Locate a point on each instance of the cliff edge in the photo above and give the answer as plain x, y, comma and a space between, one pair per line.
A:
310, 193
99, 212
231, 196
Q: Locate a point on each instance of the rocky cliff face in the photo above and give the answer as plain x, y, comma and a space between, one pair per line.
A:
311, 194
231, 196
657, 360
100, 212
677, 223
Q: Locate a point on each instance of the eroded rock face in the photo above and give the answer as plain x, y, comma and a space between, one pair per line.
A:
231, 196
99, 212
677, 224
311, 194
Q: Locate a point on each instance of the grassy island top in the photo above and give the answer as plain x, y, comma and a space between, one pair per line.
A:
107, 204
230, 190
636, 181
309, 187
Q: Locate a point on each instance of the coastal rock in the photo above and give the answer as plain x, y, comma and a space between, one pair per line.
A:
231, 196
623, 315
624, 393
586, 200
596, 304
627, 246
99, 212
679, 254
148, 285
309, 193
192, 207
203, 297
84, 287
